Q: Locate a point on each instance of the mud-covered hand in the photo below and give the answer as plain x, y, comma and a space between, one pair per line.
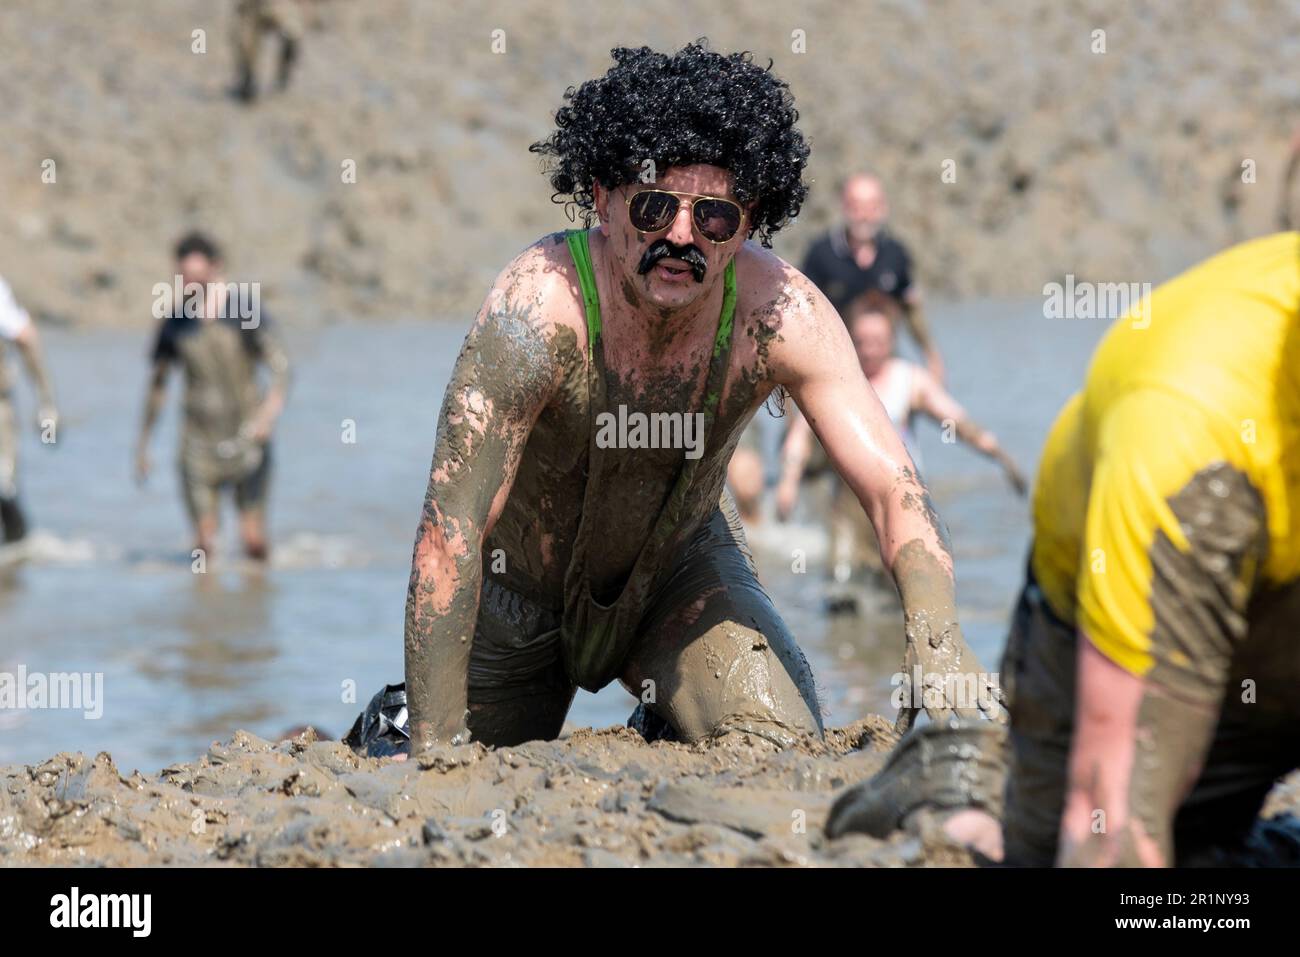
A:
952, 681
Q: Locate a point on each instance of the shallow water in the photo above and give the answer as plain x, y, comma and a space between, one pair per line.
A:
107, 585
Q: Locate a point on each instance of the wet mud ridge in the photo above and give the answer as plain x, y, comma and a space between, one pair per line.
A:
592, 798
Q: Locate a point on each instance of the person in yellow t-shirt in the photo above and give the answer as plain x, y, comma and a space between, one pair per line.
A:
1167, 535
1167, 538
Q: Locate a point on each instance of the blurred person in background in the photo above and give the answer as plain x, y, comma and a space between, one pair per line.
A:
253, 18
1151, 666
906, 390
860, 255
16, 326
857, 256
226, 420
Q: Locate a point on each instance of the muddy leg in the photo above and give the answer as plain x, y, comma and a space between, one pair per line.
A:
12, 522
201, 502
510, 719
1257, 741
252, 530
714, 655
247, 37
251, 495
1038, 677
518, 690
205, 533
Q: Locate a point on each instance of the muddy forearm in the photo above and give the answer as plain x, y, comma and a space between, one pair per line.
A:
441, 611
1134, 753
502, 380
920, 557
923, 574
953, 682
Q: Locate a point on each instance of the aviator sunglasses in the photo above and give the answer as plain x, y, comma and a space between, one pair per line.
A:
717, 219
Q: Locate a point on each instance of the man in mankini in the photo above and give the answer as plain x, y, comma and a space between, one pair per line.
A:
1152, 668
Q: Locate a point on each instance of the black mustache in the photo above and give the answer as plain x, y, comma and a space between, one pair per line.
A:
663, 249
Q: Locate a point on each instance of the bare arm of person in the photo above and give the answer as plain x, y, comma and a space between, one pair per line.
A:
29, 344
795, 451
507, 372
1181, 536
155, 396
1119, 810
273, 355
932, 399
919, 327
816, 362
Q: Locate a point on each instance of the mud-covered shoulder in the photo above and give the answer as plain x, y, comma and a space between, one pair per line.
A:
777, 308
533, 314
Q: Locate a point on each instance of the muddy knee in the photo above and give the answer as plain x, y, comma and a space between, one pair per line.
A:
732, 679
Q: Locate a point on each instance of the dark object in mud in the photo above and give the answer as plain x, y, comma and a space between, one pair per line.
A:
650, 726
12, 521
841, 605
382, 729
1272, 842
940, 767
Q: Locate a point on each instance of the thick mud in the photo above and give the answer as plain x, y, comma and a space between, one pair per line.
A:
592, 798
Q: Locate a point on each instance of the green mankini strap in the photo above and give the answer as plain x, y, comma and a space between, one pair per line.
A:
596, 638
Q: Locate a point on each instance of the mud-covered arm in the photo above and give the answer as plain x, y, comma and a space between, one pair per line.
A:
1174, 537
506, 373
271, 352
816, 362
932, 399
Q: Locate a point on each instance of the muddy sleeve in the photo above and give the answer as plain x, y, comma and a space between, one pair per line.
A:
1172, 542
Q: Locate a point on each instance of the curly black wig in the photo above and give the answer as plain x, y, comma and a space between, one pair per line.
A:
694, 106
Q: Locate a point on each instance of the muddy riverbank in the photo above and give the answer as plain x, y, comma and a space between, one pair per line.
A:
1022, 140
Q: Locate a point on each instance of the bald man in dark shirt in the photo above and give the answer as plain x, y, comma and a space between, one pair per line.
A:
859, 255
